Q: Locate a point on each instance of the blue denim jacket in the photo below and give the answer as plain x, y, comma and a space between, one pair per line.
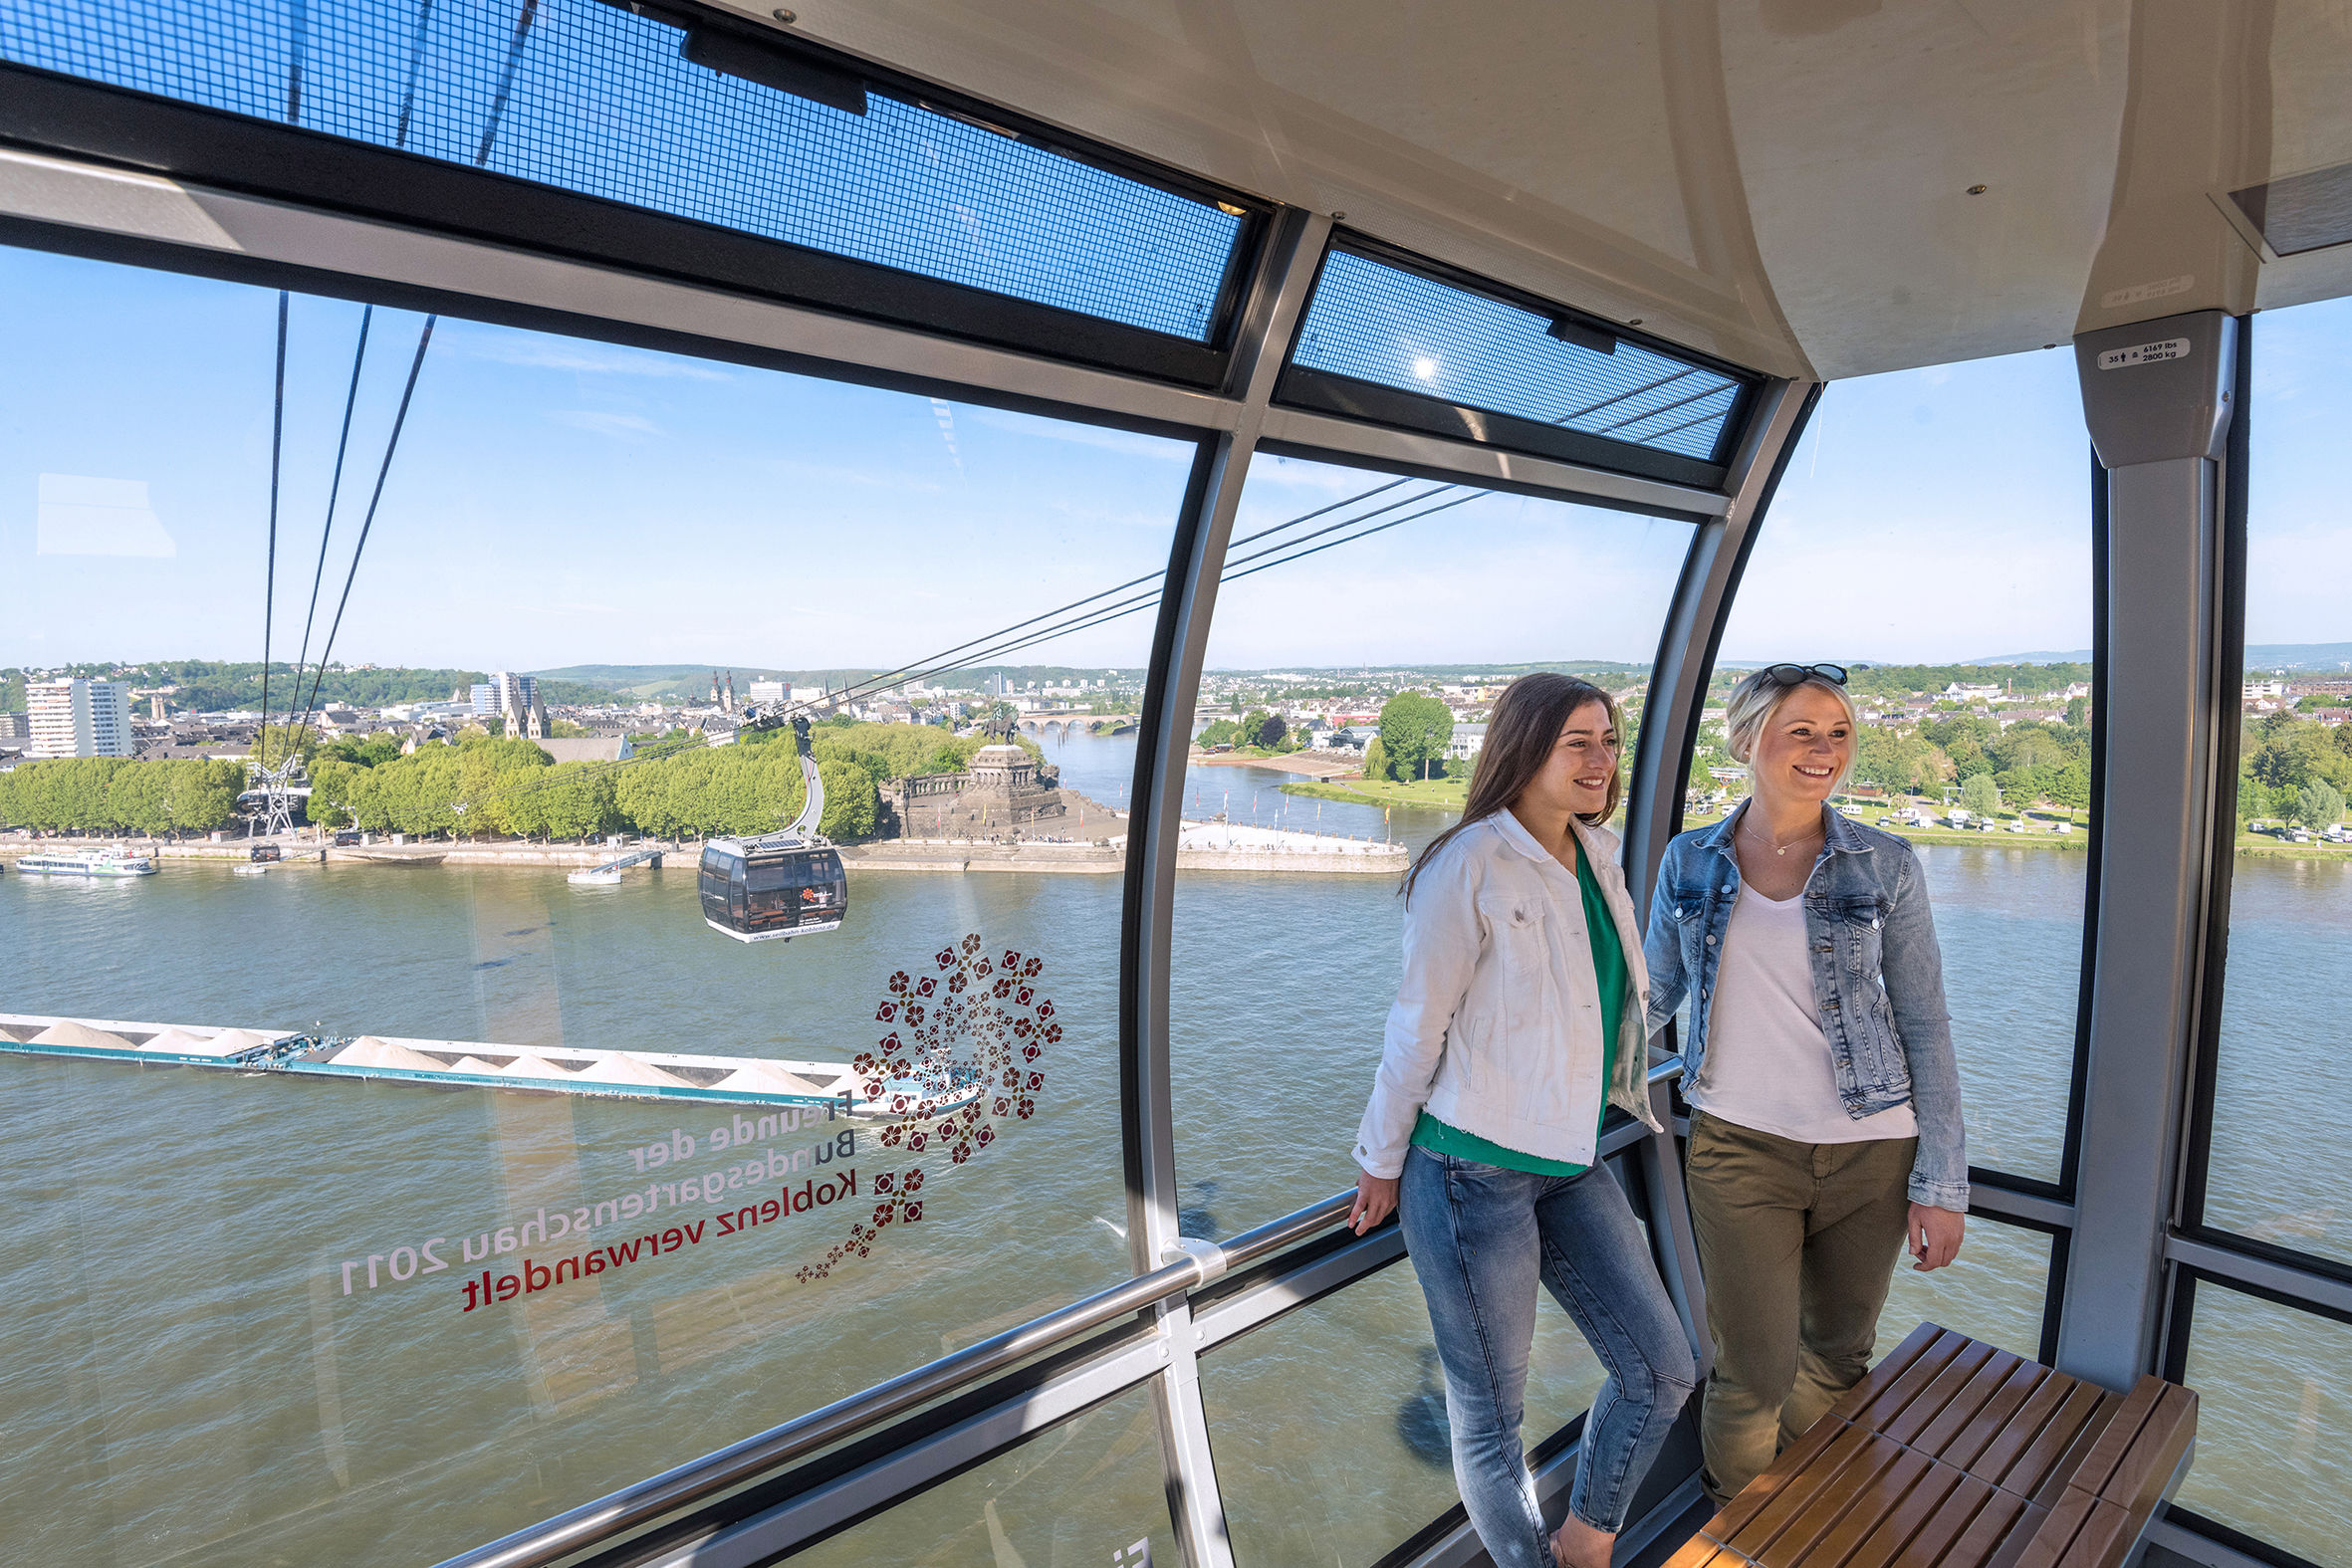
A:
1878, 978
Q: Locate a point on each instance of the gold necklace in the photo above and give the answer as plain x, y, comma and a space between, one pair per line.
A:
1779, 849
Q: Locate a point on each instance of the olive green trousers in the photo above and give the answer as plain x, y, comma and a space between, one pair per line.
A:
1797, 1241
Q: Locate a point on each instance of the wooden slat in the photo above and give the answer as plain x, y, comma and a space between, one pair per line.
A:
1969, 1443
2070, 1462
1758, 1491
1907, 1518
1906, 1425
1851, 1446
1939, 1537
2030, 1518
2003, 1512
1968, 1410
1871, 1508
2040, 1406
2139, 1480
2099, 1461
1697, 1553
1952, 1454
2057, 1534
1891, 1400
2084, 1403
1890, 1367
1831, 1506
2105, 1538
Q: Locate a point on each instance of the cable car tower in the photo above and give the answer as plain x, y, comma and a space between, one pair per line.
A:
780, 886
269, 793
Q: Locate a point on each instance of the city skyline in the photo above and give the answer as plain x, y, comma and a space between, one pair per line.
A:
558, 502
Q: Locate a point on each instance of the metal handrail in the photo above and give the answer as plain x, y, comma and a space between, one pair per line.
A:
553, 1539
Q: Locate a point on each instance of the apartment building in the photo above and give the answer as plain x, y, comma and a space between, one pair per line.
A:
77, 718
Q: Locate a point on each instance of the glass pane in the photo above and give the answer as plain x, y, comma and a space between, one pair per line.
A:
2273, 1423
2291, 900
432, 1306
1365, 623
1375, 323
594, 98
1090, 1491
1994, 1292
1359, 1362
1968, 643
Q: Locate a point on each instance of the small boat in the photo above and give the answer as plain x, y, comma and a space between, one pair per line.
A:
594, 876
102, 863
251, 868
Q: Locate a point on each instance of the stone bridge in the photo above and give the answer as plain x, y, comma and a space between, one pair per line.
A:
1060, 728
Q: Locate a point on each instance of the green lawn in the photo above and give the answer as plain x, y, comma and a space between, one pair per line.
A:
1444, 795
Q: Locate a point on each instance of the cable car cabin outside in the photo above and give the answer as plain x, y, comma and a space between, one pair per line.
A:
757, 892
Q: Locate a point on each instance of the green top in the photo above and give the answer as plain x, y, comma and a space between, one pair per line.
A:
1608, 967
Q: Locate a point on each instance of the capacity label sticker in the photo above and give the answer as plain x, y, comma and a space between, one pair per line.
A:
2144, 353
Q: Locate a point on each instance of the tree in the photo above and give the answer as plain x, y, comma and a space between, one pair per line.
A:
1980, 796
202, 795
2078, 710
2070, 785
2319, 805
852, 804
277, 741
1221, 731
1414, 732
2021, 785
1890, 759
1250, 730
1376, 759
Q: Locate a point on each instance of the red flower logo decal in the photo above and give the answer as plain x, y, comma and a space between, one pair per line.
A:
940, 1066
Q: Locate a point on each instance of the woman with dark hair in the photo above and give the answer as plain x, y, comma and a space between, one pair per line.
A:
1825, 1127
1519, 1022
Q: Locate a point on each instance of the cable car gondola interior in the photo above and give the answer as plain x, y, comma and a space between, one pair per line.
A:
1013, 354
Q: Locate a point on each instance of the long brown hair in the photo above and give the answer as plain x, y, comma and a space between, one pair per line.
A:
1521, 734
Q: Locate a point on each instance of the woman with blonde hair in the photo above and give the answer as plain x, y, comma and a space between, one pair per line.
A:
1825, 1129
1519, 1022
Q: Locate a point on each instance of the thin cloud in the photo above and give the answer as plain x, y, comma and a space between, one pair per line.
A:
579, 358
870, 479
601, 422
1155, 447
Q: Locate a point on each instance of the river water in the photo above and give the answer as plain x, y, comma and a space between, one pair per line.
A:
195, 1366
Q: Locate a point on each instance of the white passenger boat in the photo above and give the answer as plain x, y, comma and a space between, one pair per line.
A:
102, 863
594, 876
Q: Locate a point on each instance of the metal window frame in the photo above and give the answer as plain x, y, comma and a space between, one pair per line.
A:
2196, 1251
2197, 1165
69, 117
2186, 1531
77, 206
1325, 391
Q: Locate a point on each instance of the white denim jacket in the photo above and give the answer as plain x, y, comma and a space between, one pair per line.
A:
1496, 1027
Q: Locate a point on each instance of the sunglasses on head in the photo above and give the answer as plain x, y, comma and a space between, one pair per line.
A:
1792, 674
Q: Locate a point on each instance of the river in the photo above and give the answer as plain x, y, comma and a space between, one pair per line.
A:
195, 1368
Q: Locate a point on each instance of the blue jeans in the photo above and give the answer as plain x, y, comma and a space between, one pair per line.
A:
1479, 1238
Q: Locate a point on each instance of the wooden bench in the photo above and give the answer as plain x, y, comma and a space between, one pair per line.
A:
1952, 1453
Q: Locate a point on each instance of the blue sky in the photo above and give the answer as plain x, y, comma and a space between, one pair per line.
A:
559, 502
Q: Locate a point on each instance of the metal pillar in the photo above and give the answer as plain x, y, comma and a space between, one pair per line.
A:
2157, 396
1670, 728
1166, 743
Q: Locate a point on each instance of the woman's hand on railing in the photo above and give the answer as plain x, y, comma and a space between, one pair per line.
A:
1375, 1200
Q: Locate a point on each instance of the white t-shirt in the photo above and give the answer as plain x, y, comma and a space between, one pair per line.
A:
1767, 1062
